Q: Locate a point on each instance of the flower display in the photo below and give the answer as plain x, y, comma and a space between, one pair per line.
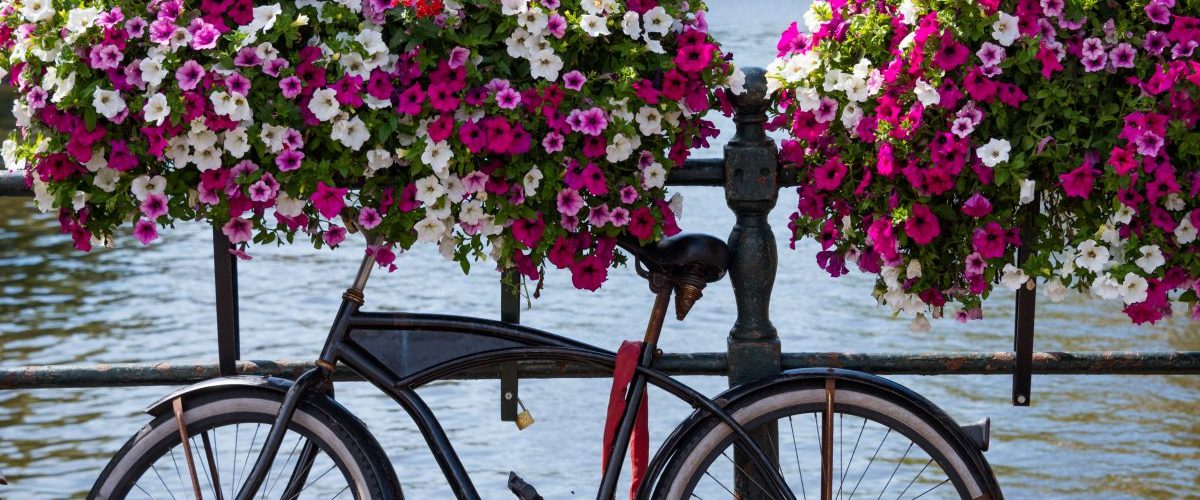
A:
530, 132
936, 140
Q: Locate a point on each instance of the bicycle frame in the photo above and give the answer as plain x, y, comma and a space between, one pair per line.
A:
400, 352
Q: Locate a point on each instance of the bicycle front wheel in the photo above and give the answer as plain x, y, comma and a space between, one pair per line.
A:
881, 447
322, 456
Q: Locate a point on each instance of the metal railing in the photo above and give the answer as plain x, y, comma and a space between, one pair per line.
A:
751, 176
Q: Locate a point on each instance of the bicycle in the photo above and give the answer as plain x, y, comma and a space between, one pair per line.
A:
400, 352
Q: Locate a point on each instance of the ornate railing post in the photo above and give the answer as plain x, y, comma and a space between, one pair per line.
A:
751, 190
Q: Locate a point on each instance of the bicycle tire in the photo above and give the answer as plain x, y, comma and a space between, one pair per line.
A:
968, 471
338, 435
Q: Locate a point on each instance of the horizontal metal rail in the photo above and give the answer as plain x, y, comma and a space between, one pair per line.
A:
949, 363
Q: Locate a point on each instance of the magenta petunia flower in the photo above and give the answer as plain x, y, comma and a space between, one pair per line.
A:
556, 25
828, 176
590, 122
589, 273
990, 54
553, 142
1092, 48
594, 180
334, 236
1156, 41
569, 202
951, 54
369, 218
205, 37
238, 230
329, 200
289, 160
529, 231
574, 80
1122, 56
975, 264
189, 74
237, 84
145, 231
458, 57
411, 100
274, 66
921, 225
1159, 12
247, 57
135, 27
1078, 183
990, 241
154, 206
826, 111
977, 206
694, 58
105, 56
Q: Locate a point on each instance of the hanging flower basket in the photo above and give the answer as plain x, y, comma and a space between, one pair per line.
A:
934, 145
531, 132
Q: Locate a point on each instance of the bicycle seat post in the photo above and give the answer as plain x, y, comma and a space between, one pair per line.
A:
352, 299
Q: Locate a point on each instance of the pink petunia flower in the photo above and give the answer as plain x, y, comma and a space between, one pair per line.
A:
145, 231
154, 206
921, 225
574, 80
289, 160
329, 200
369, 218
238, 230
977, 206
569, 202
189, 74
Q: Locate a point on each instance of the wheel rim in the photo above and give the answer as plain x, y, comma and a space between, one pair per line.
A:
875, 456
234, 440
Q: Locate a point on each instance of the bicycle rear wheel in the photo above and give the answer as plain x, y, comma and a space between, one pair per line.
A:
882, 447
226, 432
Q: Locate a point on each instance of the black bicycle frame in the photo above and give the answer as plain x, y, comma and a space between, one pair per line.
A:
400, 352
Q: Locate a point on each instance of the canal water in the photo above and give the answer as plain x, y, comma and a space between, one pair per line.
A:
1084, 437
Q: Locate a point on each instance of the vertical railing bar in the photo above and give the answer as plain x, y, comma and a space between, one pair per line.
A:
226, 284
1024, 319
510, 312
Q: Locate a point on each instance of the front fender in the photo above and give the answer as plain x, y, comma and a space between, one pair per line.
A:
733, 396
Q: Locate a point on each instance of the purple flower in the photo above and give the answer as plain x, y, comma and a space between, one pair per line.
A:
1184, 49
154, 206
135, 27
553, 142
1158, 12
826, 111
574, 80
1094, 64
247, 57
189, 74
1052, 8
105, 56
205, 37
145, 231
292, 139
1156, 41
508, 98
237, 84
1149, 144
36, 97
1093, 48
290, 86
289, 160
458, 57
591, 122
962, 127
238, 230
990, 54
1046, 29
1122, 56
369, 218
991, 71
273, 66
557, 25
110, 18
569, 202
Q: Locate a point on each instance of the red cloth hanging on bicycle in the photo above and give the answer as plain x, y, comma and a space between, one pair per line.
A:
639, 443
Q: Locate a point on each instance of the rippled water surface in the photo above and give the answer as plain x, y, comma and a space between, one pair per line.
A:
1084, 437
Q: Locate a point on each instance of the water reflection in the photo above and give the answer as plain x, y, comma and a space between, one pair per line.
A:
1085, 436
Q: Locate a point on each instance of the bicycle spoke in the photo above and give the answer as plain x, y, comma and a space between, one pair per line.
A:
898, 464
864, 472
853, 452
199, 459
719, 483
249, 450
796, 450
279, 476
177, 474
314, 481
340, 492
944, 481
747, 474
160, 479
144, 492
914, 479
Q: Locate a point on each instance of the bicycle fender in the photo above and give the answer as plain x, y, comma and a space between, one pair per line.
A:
218, 384
733, 396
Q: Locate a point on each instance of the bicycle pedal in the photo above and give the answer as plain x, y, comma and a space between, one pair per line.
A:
522, 489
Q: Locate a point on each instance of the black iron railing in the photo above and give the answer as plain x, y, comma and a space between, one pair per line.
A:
752, 177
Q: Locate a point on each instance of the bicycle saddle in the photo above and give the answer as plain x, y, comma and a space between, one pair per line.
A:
707, 257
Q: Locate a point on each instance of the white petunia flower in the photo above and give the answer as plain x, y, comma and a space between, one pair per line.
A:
531, 181
994, 152
288, 206
913, 271
1134, 289
1013, 277
156, 109
816, 15
1151, 259
927, 94
206, 159
1028, 187
808, 99
910, 11
1174, 202
920, 324
108, 103
856, 89
594, 25
654, 176
533, 20
378, 159
851, 115
1055, 291
152, 71
63, 88
236, 142
545, 64
631, 25
1123, 215
351, 133
657, 20
649, 121
37, 10
324, 104
222, 103
1005, 30
1105, 287
79, 20
1092, 256
736, 82
429, 190
1185, 232
513, 7
620, 149
437, 156
106, 179
145, 185
430, 229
